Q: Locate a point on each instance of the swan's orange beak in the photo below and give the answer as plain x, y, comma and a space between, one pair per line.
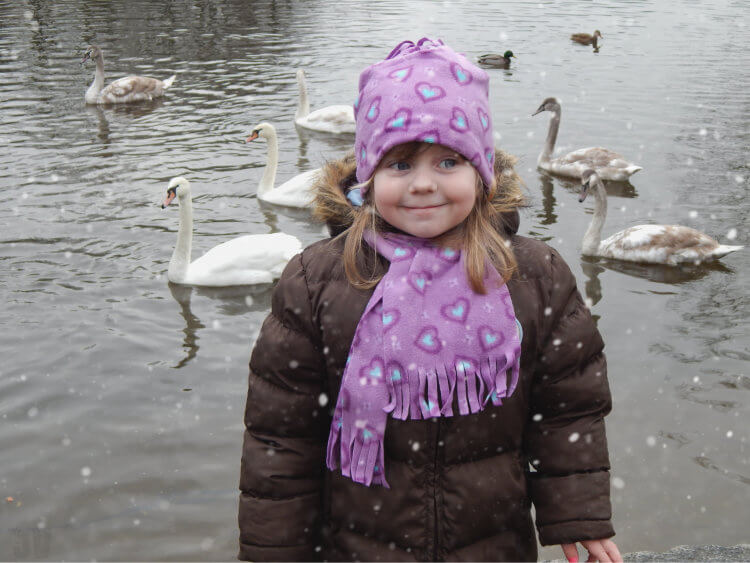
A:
85, 58
252, 137
171, 194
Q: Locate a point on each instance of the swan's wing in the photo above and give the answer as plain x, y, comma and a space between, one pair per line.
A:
339, 117
595, 157
132, 89
249, 258
296, 192
662, 244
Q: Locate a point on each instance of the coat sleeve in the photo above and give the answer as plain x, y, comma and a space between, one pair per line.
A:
565, 440
284, 445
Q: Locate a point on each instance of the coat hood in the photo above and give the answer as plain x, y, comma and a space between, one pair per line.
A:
337, 177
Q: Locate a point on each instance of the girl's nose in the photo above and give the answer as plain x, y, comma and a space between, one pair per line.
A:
422, 181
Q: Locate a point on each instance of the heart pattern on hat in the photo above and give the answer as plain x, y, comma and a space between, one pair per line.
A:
400, 74
462, 76
399, 121
374, 111
484, 119
429, 92
459, 122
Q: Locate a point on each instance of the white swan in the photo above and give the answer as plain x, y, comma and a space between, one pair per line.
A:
609, 164
245, 260
292, 193
123, 90
330, 119
653, 244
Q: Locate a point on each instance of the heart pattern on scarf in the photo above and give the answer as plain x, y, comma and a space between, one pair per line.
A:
390, 318
428, 340
420, 280
489, 338
456, 311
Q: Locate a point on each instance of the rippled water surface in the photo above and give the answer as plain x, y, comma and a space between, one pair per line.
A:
121, 397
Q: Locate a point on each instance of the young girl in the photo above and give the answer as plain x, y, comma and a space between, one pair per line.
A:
426, 374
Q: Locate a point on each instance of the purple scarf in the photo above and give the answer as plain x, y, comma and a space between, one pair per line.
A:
424, 340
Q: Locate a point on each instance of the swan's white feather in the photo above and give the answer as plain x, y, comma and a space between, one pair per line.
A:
296, 192
245, 260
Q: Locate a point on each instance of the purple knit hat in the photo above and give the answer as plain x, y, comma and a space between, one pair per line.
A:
424, 92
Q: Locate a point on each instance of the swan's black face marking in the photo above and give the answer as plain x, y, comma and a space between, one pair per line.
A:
254, 135
86, 56
171, 194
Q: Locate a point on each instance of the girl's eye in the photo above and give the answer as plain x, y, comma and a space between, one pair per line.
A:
448, 163
399, 165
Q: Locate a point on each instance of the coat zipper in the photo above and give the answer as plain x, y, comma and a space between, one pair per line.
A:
435, 492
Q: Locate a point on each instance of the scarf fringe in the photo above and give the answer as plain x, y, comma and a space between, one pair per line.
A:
419, 394
362, 456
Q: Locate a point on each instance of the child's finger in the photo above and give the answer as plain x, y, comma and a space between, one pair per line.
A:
597, 552
611, 548
570, 551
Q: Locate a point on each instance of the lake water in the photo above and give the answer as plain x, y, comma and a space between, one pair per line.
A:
121, 397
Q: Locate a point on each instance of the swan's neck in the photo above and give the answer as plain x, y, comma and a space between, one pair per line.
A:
178, 265
303, 104
96, 86
593, 236
549, 144
272, 161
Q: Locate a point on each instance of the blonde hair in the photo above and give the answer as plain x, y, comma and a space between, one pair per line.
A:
481, 234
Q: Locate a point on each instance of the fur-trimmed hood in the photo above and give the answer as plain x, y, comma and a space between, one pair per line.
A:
337, 177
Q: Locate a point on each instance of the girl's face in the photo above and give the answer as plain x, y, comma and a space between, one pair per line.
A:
426, 192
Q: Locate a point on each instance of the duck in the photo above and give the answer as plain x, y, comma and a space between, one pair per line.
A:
498, 61
587, 39
671, 245
337, 119
608, 164
245, 260
296, 192
126, 90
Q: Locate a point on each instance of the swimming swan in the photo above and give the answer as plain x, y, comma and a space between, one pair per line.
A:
497, 61
330, 119
653, 244
123, 90
292, 193
608, 164
245, 260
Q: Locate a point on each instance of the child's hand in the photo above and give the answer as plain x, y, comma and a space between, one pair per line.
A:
604, 551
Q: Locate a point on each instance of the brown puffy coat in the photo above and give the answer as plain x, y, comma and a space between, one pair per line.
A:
461, 487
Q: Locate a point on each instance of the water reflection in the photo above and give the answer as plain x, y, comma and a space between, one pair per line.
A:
660, 273
181, 294
592, 287
234, 301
